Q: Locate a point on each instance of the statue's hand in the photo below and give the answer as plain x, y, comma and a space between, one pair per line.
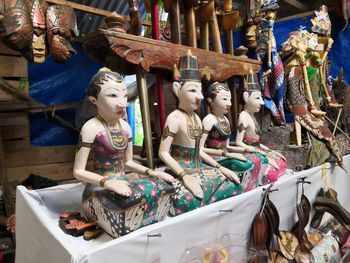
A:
251, 149
237, 156
163, 175
272, 162
193, 184
118, 186
229, 174
280, 155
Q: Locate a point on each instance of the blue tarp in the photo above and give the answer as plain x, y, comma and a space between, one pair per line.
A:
52, 83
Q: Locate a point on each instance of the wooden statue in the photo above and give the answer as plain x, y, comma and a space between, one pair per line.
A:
118, 202
298, 90
249, 132
251, 166
61, 29
180, 148
272, 69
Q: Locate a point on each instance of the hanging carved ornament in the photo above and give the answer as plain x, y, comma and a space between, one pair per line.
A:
61, 25
16, 29
38, 52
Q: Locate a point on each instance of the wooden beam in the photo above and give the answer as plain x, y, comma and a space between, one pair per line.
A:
89, 9
305, 14
296, 4
40, 155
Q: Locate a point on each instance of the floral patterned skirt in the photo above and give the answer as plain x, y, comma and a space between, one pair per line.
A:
118, 215
215, 188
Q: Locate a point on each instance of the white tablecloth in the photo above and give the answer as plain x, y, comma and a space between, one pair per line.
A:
40, 240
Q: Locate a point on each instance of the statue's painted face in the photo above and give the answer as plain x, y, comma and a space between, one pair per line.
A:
112, 99
190, 94
222, 101
254, 101
39, 48
251, 36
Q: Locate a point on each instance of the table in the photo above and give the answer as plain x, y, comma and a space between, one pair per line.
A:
179, 239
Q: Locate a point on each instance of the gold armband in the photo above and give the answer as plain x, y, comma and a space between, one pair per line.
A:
182, 173
167, 133
205, 131
148, 171
103, 181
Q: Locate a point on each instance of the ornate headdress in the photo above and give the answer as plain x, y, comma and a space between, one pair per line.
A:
269, 5
321, 23
252, 83
215, 88
102, 76
38, 10
299, 38
189, 69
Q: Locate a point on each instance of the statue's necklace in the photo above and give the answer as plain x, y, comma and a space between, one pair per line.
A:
224, 125
195, 132
116, 140
193, 128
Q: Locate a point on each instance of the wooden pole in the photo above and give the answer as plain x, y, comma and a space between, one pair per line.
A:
146, 120
155, 35
7, 198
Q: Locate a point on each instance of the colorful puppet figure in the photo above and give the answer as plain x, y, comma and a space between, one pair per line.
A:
298, 91
180, 148
250, 167
321, 25
61, 29
272, 73
118, 202
248, 133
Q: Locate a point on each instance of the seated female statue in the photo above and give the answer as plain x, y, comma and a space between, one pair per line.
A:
180, 148
116, 201
248, 132
216, 134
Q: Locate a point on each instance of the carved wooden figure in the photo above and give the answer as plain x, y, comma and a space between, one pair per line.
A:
321, 25
180, 148
118, 202
272, 68
249, 132
250, 167
298, 91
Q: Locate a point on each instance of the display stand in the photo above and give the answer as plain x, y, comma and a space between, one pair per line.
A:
39, 238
